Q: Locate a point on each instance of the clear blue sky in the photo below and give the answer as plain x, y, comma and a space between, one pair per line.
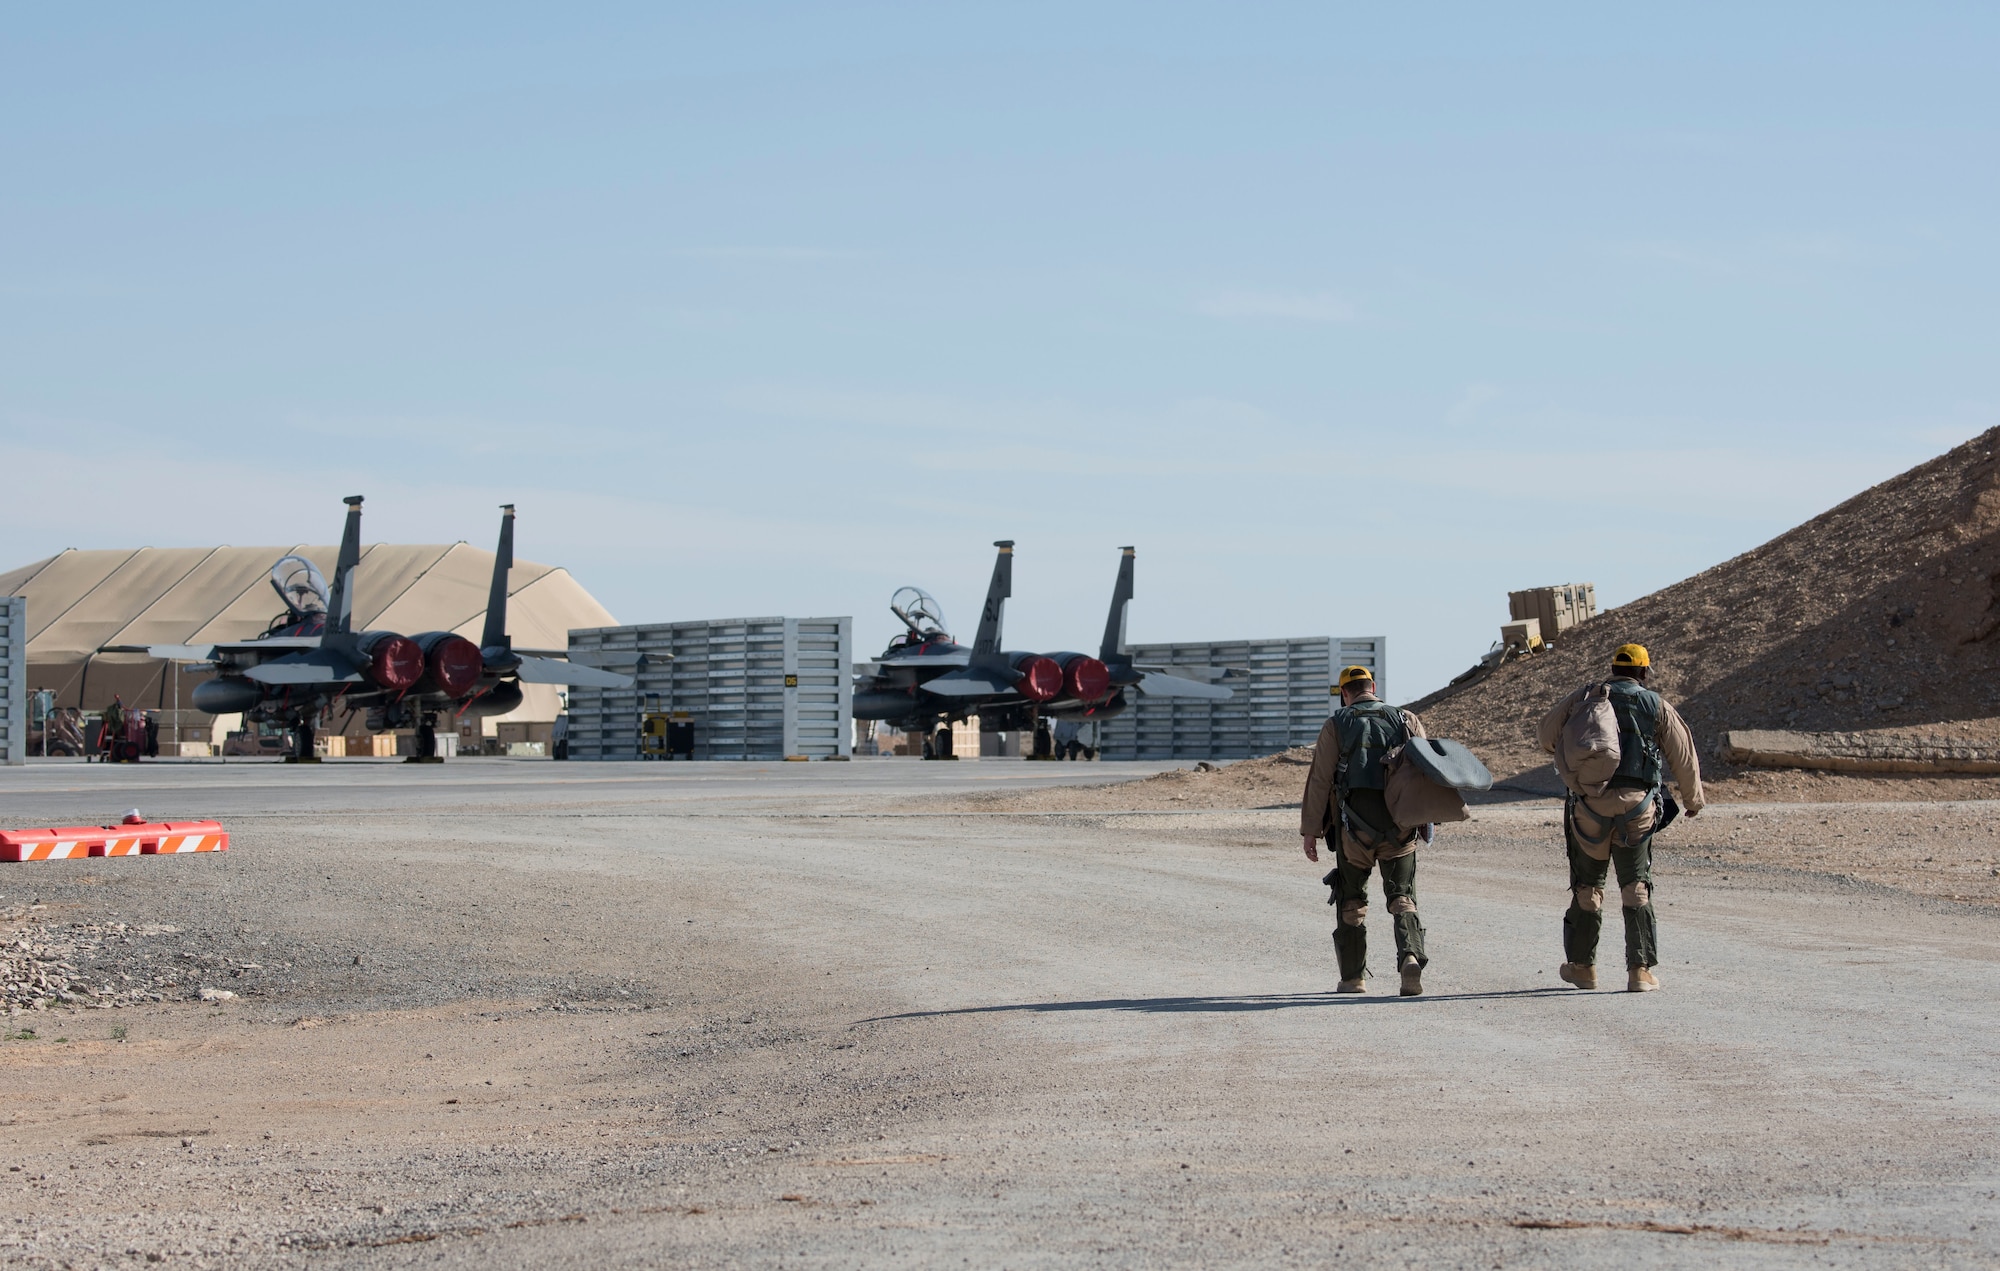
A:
1352, 318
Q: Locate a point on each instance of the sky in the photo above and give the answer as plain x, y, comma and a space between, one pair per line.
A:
1351, 318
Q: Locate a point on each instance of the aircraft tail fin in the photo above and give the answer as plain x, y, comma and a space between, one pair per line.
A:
340, 607
495, 633
997, 591
1113, 648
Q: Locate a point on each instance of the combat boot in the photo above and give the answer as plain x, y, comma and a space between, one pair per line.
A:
1642, 981
1413, 977
1359, 984
1581, 974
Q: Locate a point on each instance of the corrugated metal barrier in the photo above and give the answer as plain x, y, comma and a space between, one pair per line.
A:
754, 688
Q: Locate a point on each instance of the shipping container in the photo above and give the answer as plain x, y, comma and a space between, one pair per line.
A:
754, 688
1557, 608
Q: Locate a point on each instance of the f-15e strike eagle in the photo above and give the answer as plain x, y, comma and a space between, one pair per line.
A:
311, 660
925, 680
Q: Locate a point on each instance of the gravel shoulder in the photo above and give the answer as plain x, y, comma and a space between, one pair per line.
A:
507, 1016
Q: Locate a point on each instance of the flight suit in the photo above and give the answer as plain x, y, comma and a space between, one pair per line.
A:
111, 728
1348, 759
1614, 830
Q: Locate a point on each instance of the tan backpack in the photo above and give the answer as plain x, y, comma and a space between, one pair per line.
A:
1588, 753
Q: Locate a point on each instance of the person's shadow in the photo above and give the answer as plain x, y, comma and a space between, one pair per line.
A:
1222, 1003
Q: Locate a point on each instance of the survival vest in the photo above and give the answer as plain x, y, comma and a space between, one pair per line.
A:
1638, 711
1368, 731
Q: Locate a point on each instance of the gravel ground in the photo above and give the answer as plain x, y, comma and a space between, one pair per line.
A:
1919, 835
517, 1014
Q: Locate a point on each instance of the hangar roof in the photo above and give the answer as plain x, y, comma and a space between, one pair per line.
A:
80, 601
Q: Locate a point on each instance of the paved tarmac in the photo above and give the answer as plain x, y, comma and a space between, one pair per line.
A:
514, 1013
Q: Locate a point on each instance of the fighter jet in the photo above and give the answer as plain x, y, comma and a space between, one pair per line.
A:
310, 659
1128, 676
487, 679
924, 680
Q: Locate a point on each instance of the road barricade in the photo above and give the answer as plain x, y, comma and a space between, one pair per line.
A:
149, 838
184, 836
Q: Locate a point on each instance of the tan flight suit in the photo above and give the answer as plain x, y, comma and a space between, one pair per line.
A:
1318, 818
1596, 840
1390, 850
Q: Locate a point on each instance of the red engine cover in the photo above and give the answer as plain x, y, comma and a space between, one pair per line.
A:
1087, 679
455, 665
1041, 679
395, 662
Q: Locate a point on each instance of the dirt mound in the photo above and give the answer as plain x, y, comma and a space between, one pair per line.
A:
1882, 612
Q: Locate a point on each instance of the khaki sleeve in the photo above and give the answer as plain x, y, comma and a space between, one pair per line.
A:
1318, 798
1676, 745
1415, 725
1549, 731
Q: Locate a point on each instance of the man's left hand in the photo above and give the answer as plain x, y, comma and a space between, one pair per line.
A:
1312, 847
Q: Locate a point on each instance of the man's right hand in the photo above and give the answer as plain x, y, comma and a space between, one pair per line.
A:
1312, 848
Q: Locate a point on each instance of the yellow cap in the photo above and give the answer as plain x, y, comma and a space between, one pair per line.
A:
1631, 655
1356, 674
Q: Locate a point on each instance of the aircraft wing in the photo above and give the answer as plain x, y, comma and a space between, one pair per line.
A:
1156, 684
181, 652
555, 671
165, 652
1196, 673
207, 652
968, 683
311, 666
957, 657
631, 658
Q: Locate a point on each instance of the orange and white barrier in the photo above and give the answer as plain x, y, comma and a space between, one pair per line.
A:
142, 839
186, 836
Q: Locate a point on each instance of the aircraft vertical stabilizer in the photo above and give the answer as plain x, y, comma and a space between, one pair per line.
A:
494, 636
987, 641
1113, 648
340, 609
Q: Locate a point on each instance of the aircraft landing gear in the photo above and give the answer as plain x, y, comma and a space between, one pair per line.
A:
427, 742
302, 745
1043, 744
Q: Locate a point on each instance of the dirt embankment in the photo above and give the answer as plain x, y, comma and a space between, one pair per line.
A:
1881, 613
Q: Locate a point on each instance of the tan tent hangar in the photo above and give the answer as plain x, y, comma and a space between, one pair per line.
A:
81, 601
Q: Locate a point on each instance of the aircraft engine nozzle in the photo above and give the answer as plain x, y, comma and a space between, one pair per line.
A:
452, 664
1086, 679
1041, 679
227, 697
394, 661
